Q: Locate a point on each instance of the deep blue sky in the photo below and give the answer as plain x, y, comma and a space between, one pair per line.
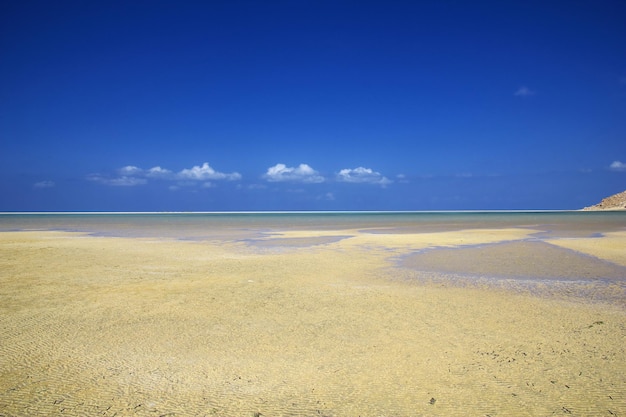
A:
311, 105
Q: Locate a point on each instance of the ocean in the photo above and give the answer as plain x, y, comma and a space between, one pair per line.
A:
241, 225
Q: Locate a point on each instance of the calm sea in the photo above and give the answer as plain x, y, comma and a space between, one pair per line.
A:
248, 224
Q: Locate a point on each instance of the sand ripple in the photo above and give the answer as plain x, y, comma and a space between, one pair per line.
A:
120, 327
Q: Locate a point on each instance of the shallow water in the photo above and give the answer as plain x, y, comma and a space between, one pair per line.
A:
225, 225
519, 259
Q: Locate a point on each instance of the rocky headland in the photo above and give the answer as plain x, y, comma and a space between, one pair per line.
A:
614, 202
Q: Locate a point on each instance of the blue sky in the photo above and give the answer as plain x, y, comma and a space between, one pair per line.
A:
311, 105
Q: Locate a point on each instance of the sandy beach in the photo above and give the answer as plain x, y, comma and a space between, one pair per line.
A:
312, 323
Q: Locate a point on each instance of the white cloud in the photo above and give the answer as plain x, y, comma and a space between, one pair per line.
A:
301, 173
158, 172
126, 181
524, 92
154, 172
131, 175
205, 172
44, 184
618, 166
123, 181
402, 178
130, 170
362, 175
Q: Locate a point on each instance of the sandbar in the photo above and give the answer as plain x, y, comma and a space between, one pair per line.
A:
135, 326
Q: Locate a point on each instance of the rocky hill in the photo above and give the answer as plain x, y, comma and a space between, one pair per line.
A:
614, 202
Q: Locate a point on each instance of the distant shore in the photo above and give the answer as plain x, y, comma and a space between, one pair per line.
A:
616, 202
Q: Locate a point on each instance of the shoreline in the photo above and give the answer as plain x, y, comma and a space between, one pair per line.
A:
311, 211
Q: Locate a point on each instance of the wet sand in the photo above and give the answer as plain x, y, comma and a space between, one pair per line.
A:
312, 323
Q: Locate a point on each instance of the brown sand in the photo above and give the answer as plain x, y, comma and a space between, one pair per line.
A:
112, 326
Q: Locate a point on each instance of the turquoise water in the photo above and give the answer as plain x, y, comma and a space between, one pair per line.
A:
222, 225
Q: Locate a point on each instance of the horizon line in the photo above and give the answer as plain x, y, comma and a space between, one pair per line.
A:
295, 211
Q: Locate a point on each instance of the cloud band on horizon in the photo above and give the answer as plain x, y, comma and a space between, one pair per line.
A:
302, 173
131, 175
362, 175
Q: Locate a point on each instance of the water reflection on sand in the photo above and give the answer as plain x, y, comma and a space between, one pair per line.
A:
352, 318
